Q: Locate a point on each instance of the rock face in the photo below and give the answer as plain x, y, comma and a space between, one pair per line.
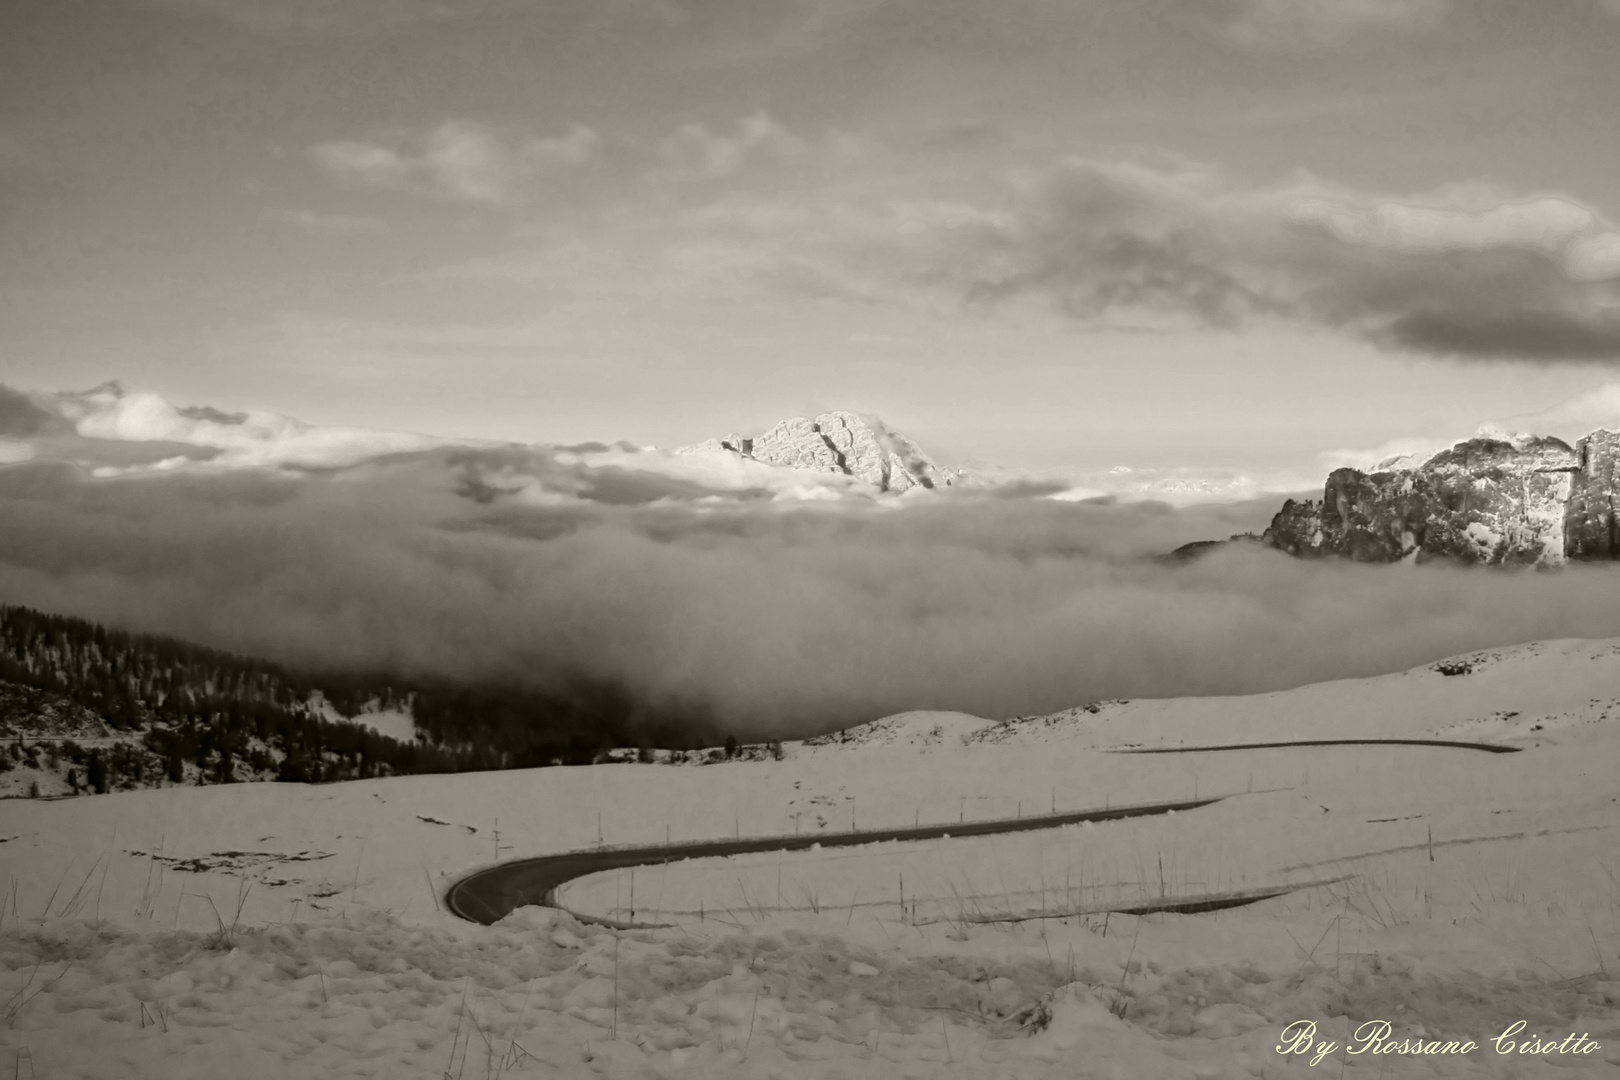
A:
1487, 500
841, 442
1590, 527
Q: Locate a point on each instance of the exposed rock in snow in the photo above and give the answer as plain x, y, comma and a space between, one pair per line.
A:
842, 443
42, 714
1487, 500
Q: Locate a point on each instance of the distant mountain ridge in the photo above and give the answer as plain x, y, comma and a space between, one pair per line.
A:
843, 443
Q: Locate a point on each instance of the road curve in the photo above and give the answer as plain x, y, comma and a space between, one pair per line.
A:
488, 895
1489, 748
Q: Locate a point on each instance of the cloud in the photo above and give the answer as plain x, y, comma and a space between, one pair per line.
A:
1295, 24
330, 224
1402, 452
22, 415
694, 150
110, 431
774, 620
1464, 272
348, 17
89, 426
460, 160
1571, 418
1575, 238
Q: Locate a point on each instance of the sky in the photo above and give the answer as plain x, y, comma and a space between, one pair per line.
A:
1037, 233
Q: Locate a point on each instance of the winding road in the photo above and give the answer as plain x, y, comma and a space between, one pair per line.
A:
1489, 748
488, 895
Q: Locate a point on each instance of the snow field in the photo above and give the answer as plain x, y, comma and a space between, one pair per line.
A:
542, 995
397, 724
277, 930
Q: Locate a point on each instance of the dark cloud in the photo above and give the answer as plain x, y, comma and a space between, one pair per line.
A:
1549, 335
21, 416
779, 621
350, 17
1465, 273
208, 412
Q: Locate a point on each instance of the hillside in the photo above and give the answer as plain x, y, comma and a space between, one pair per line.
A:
87, 709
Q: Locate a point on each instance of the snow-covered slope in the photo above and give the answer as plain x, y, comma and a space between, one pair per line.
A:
395, 723
268, 930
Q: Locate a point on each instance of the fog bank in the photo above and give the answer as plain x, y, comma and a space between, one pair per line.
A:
782, 621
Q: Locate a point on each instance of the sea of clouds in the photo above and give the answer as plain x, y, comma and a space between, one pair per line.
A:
777, 617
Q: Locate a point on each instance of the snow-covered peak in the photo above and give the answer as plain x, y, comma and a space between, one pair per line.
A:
840, 443
1519, 440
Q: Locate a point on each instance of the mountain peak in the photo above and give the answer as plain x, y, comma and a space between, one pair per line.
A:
1498, 497
841, 442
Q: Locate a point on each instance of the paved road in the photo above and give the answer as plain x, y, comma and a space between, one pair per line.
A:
486, 896
1489, 748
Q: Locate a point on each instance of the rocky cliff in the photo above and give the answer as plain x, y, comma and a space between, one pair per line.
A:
1590, 528
840, 442
1490, 500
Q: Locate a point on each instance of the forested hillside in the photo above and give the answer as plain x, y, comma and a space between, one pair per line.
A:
105, 709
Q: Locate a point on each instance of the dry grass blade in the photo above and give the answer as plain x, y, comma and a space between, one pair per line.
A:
49, 900
78, 898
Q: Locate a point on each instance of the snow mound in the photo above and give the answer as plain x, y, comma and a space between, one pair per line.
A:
919, 728
1426, 702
